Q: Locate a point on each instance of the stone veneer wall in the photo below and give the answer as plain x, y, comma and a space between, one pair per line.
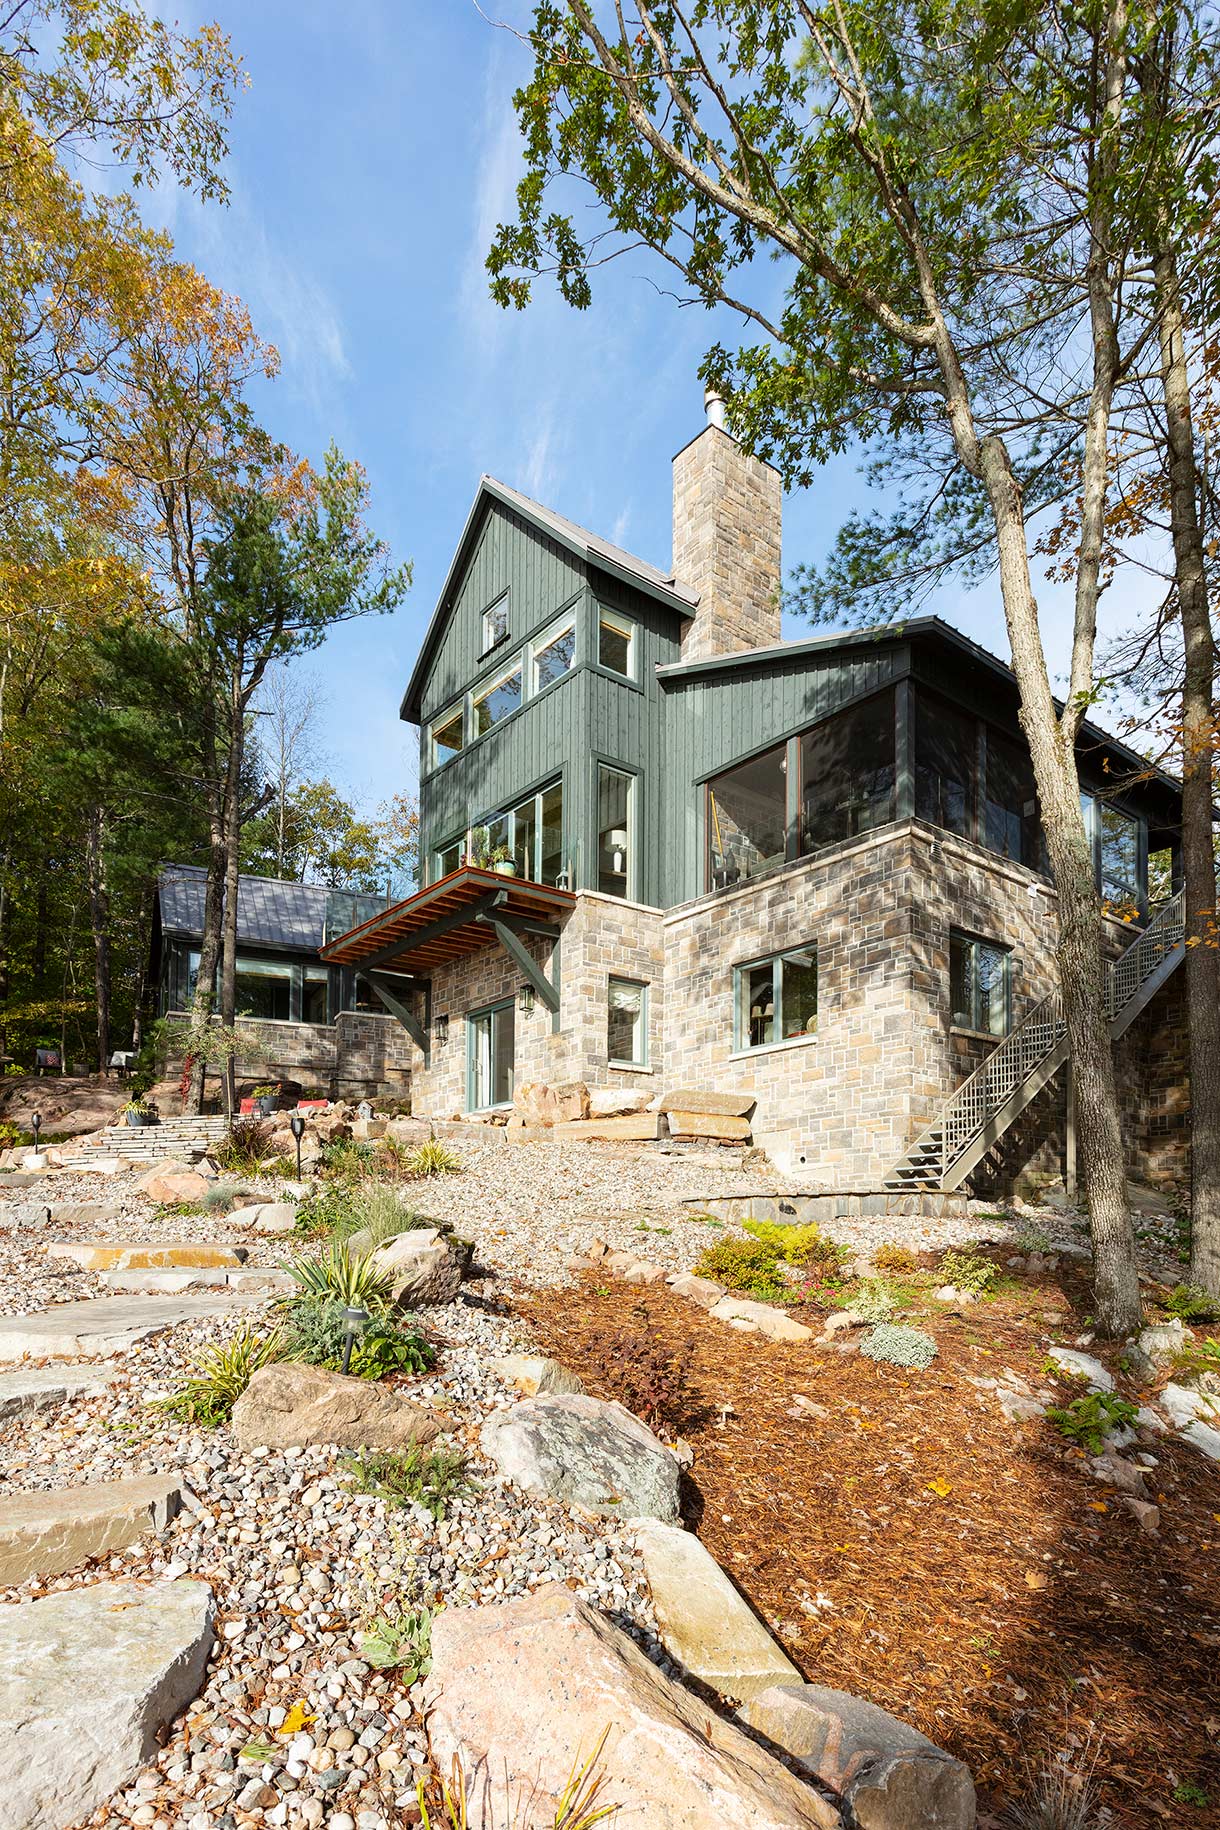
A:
728, 519
359, 1056
601, 938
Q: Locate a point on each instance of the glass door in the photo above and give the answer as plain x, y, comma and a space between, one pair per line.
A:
490, 1058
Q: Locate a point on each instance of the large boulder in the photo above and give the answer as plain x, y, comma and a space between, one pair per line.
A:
1156, 1347
173, 1184
523, 1694
289, 1405
704, 1623
615, 1102
891, 1776
760, 1318
583, 1451
422, 1265
704, 1101
88, 1679
534, 1103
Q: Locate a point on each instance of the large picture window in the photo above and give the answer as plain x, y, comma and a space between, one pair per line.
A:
747, 817
1117, 853
264, 989
980, 984
776, 999
946, 765
530, 833
615, 794
847, 774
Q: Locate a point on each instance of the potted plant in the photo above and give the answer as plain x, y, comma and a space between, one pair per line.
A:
139, 1111
267, 1100
502, 861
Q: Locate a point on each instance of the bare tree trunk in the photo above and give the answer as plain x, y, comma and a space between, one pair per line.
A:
204, 1001
1198, 763
99, 921
139, 1013
232, 832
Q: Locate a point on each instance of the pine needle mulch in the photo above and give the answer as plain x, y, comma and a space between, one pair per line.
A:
916, 1548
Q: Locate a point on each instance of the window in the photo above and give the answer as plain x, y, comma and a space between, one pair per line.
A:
449, 857
747, 817
490, 1058
495, 702
615, 793
1010, 809
616, 643
980, 985
531, 834
264, 989
946, 765
315, 995
1118, 849
495, 622
847, 774
777, 999
627, 1023
550, 837
552, 655
448, 736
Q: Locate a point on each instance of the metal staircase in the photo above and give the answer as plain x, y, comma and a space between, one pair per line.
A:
1000, 1088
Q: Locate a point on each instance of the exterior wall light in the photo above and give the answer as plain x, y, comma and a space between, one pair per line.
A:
525, 1000
297, 1126
353, 1324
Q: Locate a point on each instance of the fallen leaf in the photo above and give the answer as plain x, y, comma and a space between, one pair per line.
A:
1035, 1579
940, 1487
296, 1719
1098, 1506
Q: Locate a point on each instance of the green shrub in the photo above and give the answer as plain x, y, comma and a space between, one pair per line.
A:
345, 1159
429, 1477
800, 1245
318, 1333
1200, 1357
896, 1258
326, 1213
246, 1149
401, 1641
433, 1158
1089, 1420
226, 1195
220, 1376
747, 1265
899, 1346
1192, 1303
337, 1277
873, 1301
10, 1134
967, 1269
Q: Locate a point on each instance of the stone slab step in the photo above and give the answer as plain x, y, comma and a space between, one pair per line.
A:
42, 1388
102, 1326
116, 1255
168, 1281
88, 1679
45, 1534
704, 1623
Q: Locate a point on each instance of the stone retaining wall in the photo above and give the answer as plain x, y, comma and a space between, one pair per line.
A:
359, 1056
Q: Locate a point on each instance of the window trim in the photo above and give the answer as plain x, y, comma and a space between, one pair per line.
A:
472, 1017
634, 826
624, 625
503, 597
997, 946
640, 985
545, 638
741, 1042
476, 697
458, 710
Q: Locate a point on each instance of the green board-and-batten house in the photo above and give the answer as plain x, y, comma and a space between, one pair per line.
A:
664, 848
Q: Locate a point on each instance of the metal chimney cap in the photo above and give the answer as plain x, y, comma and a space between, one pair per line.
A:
713, 406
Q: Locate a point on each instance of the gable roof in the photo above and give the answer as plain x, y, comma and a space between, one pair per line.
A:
270, 912
586, 546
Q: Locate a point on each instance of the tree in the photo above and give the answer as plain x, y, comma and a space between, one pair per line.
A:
286, 741
941, 192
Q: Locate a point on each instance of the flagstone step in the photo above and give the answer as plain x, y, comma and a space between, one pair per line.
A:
253, 1280
45, 1534
101, 1326
42, 1388
116, 1255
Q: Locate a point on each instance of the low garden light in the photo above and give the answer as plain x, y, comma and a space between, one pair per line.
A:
353, 1324
35, 1128
296, 1125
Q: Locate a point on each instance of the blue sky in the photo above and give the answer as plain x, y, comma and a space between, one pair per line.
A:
372, 156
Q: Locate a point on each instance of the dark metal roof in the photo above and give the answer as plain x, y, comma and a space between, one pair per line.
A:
270, 912
587, 546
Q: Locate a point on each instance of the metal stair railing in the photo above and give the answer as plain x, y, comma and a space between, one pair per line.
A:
1022, 1054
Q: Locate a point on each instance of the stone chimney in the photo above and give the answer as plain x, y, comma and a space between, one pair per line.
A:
728, 511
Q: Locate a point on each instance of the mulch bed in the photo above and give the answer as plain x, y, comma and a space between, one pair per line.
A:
916, 1548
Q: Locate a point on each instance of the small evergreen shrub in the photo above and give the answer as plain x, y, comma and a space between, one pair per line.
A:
345, 1159
337, 1277
967, 1269
1192, 1303
1089, 1420
433, 1158
245, 1150
873, 1302
221, 1374
897, 1345
806, 1246
895, 1258
318, 1334
747, 1265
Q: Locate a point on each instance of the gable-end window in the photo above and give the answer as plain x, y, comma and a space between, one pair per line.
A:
448, 737
616, 643
627, 1023
747, 818
552, 654
495, 622
615, 865
776, 999
496, 701
980, 984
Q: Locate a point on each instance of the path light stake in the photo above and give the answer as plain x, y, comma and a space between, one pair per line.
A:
35, 1127
297, 1126
353, 1323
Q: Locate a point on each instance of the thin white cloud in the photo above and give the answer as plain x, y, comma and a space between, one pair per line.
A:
494, 194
